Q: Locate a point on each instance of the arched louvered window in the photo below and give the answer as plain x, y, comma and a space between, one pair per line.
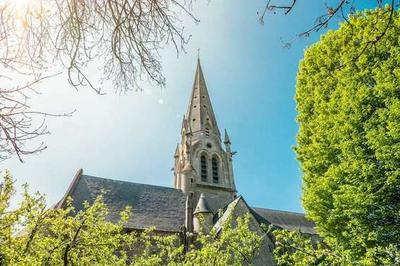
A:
207, 132
215, 170
203, 168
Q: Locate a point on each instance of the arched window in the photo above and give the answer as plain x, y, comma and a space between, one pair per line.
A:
215, 173
203, 168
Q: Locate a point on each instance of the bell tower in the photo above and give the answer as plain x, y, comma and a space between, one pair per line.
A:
202, 165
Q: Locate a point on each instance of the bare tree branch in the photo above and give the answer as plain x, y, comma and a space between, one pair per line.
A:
341, 10
124, 36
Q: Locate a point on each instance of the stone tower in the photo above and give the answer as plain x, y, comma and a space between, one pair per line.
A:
202, 165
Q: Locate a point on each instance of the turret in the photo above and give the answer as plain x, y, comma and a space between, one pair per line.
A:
202, 216
227, 142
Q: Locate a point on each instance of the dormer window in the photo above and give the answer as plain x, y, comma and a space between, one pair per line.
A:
203, 168
215, 170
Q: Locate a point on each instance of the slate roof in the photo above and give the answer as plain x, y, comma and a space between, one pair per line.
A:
161, 207
286, 220
282, 219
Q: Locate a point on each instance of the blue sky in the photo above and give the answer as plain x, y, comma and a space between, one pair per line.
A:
251, 81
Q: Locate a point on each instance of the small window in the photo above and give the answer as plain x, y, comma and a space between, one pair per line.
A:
194, 119
203, 168
209, 145
207, 132
215, 169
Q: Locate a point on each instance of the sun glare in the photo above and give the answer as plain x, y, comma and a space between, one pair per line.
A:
24, 10
22, 6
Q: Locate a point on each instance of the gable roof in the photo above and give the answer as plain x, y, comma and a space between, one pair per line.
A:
152, 206
290, 221
226, 212
285, 220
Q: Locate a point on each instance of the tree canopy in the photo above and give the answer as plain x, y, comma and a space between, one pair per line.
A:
348, 144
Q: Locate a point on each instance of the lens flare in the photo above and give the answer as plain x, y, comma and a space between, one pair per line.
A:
21, 7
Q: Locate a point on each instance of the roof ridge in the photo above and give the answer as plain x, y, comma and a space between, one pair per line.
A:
135, 183
274, 210
71, 188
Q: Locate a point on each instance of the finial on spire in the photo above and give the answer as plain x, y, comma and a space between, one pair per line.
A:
198, 54
176, 155
226, 138
184, 124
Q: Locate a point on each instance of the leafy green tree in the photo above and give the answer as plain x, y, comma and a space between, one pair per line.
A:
348, 145
295, 248
32, 234
235, 244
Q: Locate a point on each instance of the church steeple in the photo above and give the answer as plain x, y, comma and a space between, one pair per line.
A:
200, 114
202, 165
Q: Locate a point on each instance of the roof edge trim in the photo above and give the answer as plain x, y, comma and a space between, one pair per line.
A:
70, 190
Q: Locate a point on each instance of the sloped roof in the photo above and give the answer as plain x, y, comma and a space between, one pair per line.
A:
227, 211
285, 220
161, 207
282, 219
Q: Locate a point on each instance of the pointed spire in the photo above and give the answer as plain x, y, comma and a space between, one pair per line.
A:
226, 138
202, 205
176, 155
200, 115
184, 125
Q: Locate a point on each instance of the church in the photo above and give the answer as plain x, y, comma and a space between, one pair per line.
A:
204, 184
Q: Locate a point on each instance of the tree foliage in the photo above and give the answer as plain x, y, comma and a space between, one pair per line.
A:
32, 234
296, 248
348, 104
235, 244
